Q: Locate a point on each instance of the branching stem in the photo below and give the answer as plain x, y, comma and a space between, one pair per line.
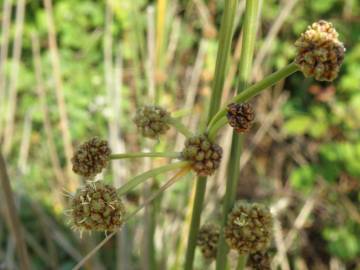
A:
137, 180
145, 154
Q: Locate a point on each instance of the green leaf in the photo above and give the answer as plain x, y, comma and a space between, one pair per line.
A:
303, 178
297, 125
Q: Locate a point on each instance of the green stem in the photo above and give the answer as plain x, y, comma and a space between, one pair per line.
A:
241, 264
245, 64
254, 90
225, 38
142, 154
176, 123
213, 132
137, 180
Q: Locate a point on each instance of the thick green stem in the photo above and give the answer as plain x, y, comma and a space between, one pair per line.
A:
176, 123
225, 38
254, 90
142, 154
248, 45
137, 180
219, 124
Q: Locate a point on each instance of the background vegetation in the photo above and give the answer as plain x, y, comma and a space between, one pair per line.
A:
72, 69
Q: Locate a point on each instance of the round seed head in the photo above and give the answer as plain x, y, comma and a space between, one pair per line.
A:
91, 157
207, 240
240, 116
96, 207
203, 155
248, 228
319, 52
152, 121
259, 261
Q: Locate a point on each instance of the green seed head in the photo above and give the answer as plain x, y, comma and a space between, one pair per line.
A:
152, 121
207, 240
319, 52
91, 157
203, 155
249, 228
96, 207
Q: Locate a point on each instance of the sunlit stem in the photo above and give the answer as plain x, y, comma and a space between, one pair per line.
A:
148, 154
137, 180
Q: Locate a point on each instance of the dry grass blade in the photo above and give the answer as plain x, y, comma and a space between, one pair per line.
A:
274, 30
56, 70
15, 224
5, 27
150, 61
54, 158
12, 99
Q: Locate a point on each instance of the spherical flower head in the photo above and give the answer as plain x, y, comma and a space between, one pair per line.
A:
203, 155
319, 52
91, 157
96, 207
207, 240
248, 228
259, 261
240, 116
152, 121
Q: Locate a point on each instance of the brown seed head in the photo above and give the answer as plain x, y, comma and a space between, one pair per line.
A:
203, 155
152, 121
259, 261
240, 116
91, 157
96, 207
319, 52
248, 228
208, 239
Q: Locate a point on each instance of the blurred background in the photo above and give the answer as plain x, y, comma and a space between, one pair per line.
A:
71, 70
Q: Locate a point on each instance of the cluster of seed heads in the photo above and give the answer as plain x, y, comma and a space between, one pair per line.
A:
259, 261
96, 207
91, 157
152, 121
203, 155
240, 116
320, 53
207, 240
248, 228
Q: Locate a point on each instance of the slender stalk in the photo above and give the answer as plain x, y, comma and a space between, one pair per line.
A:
226, 33
137, 180
169, 183
176, 123
145, 154
254, 90
246, 58
14, 221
